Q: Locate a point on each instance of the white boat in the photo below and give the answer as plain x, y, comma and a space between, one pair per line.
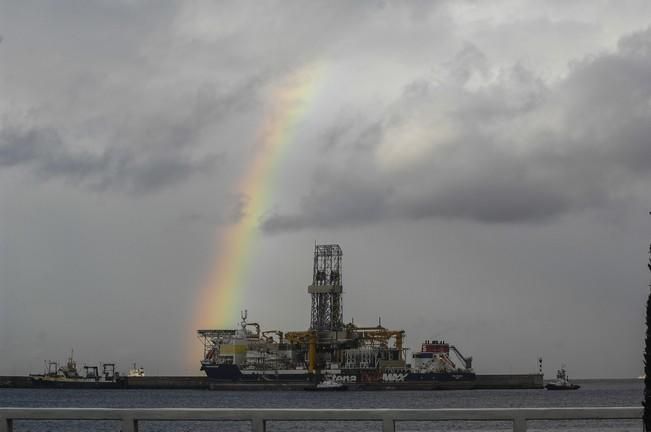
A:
328, 385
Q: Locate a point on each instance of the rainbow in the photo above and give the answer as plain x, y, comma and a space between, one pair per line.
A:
289, 103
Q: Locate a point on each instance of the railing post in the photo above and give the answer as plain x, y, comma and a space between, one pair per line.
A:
519, 424
129, 424
388, 425
257, 424
6, 425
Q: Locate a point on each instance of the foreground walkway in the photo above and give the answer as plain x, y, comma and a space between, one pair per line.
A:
258, 418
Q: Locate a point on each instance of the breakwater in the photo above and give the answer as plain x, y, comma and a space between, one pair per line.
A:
524, 381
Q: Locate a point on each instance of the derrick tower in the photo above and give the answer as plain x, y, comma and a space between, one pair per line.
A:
326, 289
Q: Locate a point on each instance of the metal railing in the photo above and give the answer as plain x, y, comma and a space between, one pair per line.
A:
258, 418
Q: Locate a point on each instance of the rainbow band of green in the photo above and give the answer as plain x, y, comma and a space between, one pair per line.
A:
289, 104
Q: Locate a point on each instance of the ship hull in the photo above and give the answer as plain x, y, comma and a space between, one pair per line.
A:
232, 373
77, 384
562, 387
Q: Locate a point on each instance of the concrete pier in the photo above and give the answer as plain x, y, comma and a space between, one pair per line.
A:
525, 381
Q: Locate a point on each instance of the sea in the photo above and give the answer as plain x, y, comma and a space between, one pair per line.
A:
593, 393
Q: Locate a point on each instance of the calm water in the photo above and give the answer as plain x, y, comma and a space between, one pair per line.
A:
592, 393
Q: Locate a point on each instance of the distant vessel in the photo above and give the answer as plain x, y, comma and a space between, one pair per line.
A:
562, 382
69, 376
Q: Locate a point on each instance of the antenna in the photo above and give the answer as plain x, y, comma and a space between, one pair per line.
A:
244, 314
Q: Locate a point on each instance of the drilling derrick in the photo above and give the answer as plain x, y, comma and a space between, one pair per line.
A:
326, 289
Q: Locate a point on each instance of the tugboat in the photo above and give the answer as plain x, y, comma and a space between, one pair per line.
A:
562, 382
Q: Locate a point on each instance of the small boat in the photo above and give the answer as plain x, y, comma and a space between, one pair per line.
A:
328, 385
562, 382
68, 376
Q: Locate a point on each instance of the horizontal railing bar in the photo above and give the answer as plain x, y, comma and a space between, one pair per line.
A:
302, 414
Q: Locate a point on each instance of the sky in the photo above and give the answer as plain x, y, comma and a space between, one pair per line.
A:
484, 165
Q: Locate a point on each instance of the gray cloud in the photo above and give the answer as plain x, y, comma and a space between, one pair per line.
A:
588, 137
138, 151
358, 200
44, 153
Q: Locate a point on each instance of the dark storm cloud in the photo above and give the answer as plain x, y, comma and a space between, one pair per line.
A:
525, 152
142, 156
111, 113
361, 201
43, 152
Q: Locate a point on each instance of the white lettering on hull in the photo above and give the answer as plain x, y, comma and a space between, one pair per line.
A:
345, 378
394, 377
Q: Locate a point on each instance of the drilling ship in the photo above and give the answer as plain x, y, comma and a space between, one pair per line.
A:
331, 349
